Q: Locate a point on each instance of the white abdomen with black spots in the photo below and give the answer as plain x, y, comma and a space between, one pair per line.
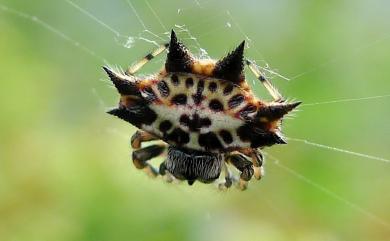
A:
212, 113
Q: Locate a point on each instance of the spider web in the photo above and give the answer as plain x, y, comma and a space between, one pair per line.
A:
153, 29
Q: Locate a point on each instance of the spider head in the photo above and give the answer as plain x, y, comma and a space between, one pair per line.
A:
192, 165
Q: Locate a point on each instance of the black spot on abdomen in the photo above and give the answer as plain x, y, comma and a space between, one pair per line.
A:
178, 136
226, 136
194, 122
163, 88
216, 105
189, 82
213, 86
175, 80
244, 133
236, 100
165, 126
179, 99
209, 141
228, 89
206, 122
184, 120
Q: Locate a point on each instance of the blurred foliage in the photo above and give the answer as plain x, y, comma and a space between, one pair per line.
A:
65, 170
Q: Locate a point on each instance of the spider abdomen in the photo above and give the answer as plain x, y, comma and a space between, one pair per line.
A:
198, 112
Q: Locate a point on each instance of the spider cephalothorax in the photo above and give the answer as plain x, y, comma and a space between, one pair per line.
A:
205, 113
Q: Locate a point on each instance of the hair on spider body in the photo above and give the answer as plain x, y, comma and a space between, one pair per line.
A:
191, 165
205, 113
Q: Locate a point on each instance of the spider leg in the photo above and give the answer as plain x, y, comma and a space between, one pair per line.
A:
244, 166
139, 137
229, 178
165, 173
141, 156
267, 84
137, 66
257, 160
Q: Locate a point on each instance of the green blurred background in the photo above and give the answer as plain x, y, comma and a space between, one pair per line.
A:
65, 169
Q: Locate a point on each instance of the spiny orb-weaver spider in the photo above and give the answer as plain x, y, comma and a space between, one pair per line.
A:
204, 112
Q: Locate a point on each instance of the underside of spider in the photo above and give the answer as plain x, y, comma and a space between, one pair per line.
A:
204, 113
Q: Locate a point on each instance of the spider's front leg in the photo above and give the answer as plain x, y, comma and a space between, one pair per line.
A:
168, 177
267, 84
243, 165
137, 66
257, 160
141, 156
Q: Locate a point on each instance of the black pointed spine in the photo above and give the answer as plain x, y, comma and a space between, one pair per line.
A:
179, 59
232, 66
124, 86
276, 111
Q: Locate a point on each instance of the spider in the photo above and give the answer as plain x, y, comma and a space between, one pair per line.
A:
204, 113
